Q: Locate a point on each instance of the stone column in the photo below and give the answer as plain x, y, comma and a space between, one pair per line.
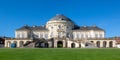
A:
18, 44
55, 43
101, 44
114, 44
64, 43
5, 43
94, 42
107, 45
8, 45
68, 44
50, 44
76, 45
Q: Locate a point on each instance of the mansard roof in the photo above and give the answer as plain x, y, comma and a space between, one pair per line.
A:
36, 28
1, 38
89, 28
26, 28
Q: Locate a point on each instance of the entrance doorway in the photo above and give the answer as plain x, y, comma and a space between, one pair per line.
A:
59, 44
98, 44
73, 45
46, 45
110, 44
104, 44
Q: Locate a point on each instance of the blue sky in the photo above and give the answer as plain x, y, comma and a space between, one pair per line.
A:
17, 13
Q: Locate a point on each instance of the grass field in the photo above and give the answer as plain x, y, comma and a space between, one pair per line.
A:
59, 54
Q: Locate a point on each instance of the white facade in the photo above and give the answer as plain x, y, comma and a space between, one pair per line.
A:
62, 27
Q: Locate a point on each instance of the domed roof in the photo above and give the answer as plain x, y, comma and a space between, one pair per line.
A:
60, 17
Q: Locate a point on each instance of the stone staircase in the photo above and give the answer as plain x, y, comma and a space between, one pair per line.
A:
87, 44
29, 45
35, 43
90, 45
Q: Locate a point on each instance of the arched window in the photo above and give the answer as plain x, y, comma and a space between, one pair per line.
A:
92, 41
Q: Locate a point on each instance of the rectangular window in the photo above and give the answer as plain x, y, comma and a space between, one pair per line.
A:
78, 36
86, 36
23, 35
101, 36
51, 34
74, 36
96, 35
18, 35
41, 35
46, 36
82, 36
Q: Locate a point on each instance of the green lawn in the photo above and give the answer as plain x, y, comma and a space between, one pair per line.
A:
59, 54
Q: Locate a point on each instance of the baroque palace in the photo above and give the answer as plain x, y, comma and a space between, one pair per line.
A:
60, 32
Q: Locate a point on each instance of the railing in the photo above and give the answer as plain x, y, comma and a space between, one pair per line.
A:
17, 38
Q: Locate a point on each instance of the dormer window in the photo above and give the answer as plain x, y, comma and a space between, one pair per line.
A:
59, 26
62, 19
51, 27
67, 27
